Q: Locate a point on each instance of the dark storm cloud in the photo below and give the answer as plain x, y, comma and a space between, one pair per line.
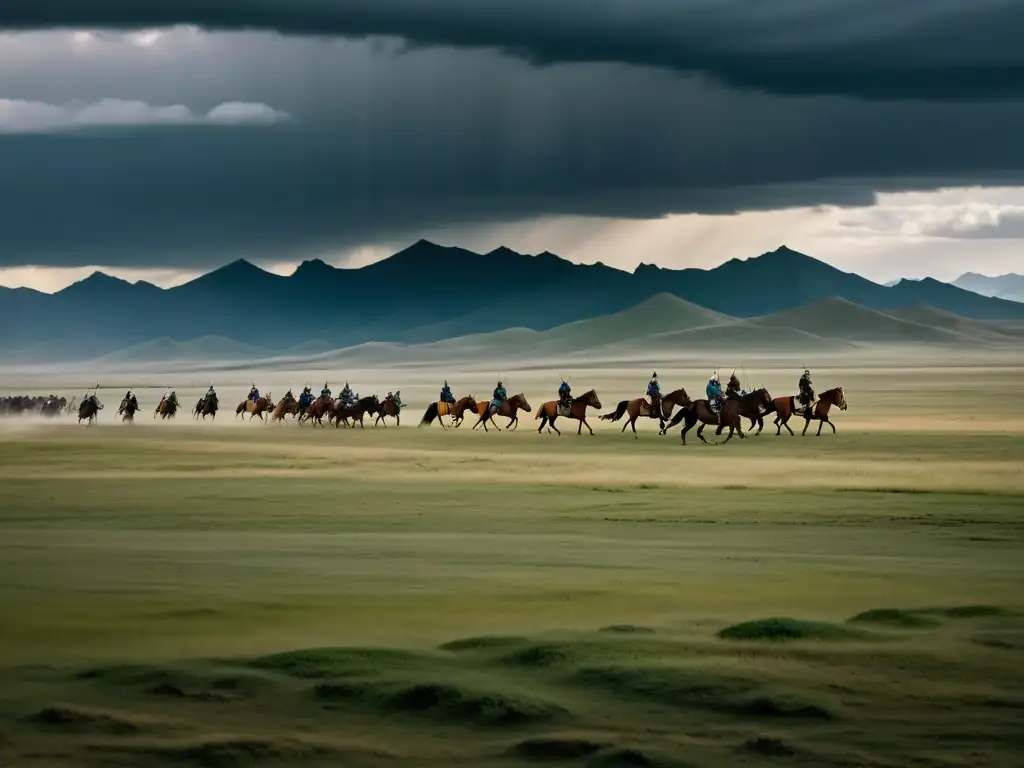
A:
939, 49
383, 148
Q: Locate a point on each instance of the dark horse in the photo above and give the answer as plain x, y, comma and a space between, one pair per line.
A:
89, 409
728, 416
509, 409
356, 411
640, 407
786, 407
552, 409
441, 408
388, 407
207, 406
129, 407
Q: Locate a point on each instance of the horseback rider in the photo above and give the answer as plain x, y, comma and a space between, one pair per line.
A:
446, 393
254, 394
499, 396
734, 391
396, 398
305, 398
172, 398
714, 393
325, 393
565, 395
806, 390
654, 393
211, 394
347, 396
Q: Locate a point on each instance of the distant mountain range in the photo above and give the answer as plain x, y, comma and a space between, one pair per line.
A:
431, 293
1009, 286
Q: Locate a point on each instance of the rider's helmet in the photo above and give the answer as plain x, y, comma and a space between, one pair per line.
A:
807, 372
654, 375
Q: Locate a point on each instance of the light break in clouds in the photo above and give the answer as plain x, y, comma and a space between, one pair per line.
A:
20, 116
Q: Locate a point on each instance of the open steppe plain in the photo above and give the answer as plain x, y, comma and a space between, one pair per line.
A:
237, 594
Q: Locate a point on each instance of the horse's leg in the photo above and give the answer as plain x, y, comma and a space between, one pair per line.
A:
807, 423
632, 423
543, 423
686, 428
700, 432
821, 423
514, 420
829, 421
398, 420
587, 425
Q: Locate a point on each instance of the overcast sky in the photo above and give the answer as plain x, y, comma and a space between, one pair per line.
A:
157, 140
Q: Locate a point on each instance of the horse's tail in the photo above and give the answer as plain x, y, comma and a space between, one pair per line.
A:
619, 410
429, 416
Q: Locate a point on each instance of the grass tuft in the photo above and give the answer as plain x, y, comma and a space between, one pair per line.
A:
782, 629
895, 617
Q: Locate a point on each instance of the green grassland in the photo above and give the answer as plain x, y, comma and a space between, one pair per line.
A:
248, 595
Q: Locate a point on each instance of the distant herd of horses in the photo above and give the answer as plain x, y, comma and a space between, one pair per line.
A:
672, 409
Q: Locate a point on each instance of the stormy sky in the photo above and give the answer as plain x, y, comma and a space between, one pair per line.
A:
164, 138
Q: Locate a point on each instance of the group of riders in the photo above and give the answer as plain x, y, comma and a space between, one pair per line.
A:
348, 398
734, 391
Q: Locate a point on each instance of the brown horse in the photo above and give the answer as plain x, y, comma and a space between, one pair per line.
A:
287, 406
509, 409
167, 408
552, 409
641, 407
456, 410
263, 405
356, 411
728, 416
320, 408
389, 407
786, 407
89, 409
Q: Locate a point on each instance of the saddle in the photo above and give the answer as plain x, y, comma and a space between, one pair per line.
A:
563, 409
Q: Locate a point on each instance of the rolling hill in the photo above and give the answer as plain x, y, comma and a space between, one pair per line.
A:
203, 349
837, 318
429, 293
924, 314
661, 325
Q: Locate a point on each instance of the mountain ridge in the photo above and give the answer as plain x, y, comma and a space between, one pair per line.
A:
430, 292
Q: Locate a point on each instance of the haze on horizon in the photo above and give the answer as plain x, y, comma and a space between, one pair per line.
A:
157, 142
